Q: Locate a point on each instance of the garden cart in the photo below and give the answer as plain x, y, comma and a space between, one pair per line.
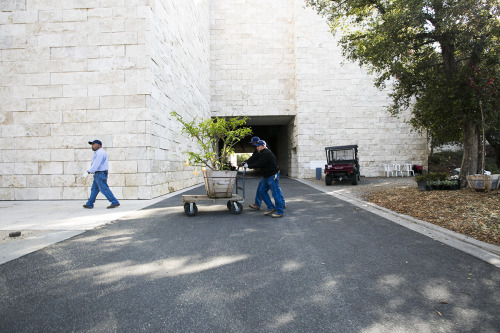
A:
234, 203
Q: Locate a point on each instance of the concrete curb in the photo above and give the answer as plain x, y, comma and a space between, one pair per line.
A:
481, 250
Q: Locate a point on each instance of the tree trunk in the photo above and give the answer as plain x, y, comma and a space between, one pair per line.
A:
471, 151
493, 137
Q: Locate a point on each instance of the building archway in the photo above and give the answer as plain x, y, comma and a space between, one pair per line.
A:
276, 131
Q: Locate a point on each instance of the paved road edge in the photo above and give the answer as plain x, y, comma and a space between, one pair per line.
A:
481, 250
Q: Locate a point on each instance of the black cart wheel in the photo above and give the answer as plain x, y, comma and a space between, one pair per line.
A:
328, 180
190, 210
229, 205
355, 178
235, 207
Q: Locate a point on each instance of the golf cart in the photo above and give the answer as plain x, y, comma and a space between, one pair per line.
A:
342, 164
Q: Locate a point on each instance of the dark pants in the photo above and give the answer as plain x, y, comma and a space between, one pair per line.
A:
271, 183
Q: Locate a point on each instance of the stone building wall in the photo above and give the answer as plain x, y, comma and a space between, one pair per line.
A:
74, 71
252, 53
179, 42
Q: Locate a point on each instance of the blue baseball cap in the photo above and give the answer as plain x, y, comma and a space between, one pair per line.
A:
260, 143
255, 139
95, 141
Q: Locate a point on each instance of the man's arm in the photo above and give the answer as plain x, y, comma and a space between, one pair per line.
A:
263, 160
255, 156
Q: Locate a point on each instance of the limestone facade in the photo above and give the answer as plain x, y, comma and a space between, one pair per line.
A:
78, 70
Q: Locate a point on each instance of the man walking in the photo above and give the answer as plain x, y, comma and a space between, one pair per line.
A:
99, 167
269, 166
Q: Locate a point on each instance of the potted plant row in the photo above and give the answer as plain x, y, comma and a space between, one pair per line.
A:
215, 139
436, 181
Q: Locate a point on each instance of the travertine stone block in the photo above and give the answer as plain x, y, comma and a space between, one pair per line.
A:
112, 102
26, 194
116, 179
50, 168
76, 168
50, 193
63, 155
65, 180
135, 179
37, 181
123, 167
25, 168
15, 181
145, 192
75, 193
7, 193
128, 192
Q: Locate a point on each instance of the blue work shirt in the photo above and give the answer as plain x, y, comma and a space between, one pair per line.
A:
99, 161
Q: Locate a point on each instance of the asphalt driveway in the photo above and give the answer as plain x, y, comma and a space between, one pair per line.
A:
327, 266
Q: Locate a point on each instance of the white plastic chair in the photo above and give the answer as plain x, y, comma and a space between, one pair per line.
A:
397, 169
407, 168
387, 169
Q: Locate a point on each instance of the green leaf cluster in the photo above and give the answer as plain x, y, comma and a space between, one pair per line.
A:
432, 176
215, 138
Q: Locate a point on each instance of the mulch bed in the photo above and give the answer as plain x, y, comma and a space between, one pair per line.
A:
468, 212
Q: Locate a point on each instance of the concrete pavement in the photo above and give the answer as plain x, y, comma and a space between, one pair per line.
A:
43, 223
328, 266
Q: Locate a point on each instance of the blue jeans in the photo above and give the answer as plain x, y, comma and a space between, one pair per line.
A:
271, 183
100, 184
258, 196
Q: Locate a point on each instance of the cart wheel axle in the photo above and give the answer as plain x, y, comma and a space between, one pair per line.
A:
235, 207
190, 209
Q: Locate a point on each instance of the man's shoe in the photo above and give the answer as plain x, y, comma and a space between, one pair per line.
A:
88, 207
274, 215
254, 207
269, 212
113, 206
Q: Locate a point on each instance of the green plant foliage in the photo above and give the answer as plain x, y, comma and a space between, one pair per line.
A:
215, 137
242, 158
432, 176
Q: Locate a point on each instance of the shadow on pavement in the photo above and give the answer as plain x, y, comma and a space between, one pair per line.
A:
327, 266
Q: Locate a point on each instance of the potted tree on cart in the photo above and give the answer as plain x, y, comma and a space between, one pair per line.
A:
215, 138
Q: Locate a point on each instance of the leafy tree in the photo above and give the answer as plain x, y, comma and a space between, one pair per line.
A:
432, 54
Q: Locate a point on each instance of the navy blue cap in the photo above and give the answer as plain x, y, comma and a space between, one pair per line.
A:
260, 143
255, 139
95, 141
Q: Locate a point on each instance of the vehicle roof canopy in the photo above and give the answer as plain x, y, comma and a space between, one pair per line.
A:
342, 147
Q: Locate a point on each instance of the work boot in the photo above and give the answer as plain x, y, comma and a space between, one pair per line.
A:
254, 207
269, 212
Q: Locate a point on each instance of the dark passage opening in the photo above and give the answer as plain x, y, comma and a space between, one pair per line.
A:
273, 130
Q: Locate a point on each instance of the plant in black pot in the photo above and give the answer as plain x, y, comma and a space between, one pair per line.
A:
430, 181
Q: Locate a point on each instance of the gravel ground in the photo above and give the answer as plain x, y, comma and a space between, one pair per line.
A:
366, 185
